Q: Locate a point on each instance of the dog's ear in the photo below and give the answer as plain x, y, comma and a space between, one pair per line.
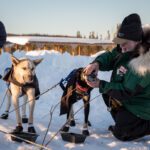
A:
14, 60
37, 61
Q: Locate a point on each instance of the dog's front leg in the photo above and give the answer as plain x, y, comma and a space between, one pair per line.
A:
70, 116
8, 100
24, 116
17, 110
15, 95
86, 114
31, 99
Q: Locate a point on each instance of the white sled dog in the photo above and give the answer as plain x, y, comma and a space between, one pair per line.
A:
23, 81
5, 115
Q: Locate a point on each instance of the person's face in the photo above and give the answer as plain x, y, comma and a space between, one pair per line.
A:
128, 46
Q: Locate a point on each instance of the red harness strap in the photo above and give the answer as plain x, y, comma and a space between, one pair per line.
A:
82, 89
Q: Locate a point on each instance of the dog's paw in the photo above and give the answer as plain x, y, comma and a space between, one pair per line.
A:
89, 123
24, 120
72, 123
4, 116
85, 132
65, 128
18, 129
31, 130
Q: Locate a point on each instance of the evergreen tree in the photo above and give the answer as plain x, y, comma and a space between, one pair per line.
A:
79, 34
101, 37
93, 35
108, 35
90, 35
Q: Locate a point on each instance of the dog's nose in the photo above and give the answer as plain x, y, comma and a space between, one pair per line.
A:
30, 77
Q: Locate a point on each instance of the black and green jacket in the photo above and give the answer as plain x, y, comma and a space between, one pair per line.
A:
132, 89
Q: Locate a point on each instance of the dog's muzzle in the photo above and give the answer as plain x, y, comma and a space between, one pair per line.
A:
91, 77
28, 79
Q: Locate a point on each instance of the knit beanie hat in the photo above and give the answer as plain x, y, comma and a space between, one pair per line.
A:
130, 29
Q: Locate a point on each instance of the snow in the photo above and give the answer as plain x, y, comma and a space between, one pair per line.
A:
19, 40
54, 67
25, 39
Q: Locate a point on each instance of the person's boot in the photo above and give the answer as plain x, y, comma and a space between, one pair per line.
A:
119, 135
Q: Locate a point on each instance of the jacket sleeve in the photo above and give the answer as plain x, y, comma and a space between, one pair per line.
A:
106, 60
130, 87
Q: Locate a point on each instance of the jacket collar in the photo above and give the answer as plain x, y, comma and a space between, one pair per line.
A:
141, 64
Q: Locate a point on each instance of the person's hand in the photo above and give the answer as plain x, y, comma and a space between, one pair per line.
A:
94, 84
91, 68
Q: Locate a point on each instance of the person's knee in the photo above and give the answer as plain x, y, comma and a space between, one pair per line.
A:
122, 136
127, 135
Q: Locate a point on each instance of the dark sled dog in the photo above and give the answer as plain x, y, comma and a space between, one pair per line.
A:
76, 89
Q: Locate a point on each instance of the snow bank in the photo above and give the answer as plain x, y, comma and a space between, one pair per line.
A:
54, 67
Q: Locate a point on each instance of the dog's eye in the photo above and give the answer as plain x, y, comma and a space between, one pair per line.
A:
24, 68
32, 69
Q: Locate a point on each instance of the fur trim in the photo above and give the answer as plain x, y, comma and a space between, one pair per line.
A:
141, 64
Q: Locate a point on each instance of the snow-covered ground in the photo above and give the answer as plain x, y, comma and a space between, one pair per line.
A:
54, 67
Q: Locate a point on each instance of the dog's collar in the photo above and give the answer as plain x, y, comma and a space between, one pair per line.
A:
80, 88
